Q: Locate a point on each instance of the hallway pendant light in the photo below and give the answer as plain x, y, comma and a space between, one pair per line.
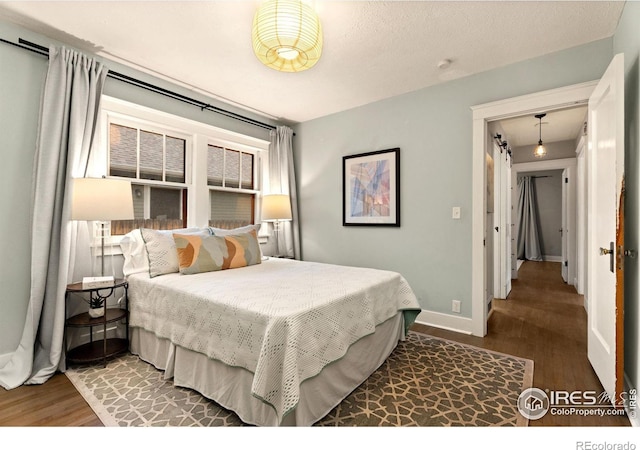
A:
287, 35
540, 151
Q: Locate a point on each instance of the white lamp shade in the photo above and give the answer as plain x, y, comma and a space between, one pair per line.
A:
287, 35
101, 199
276, 207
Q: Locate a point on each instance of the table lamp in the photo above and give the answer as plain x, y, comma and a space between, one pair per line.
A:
276, 208
101, 200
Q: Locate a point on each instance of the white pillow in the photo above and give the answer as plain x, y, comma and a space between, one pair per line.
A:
135, 253
161, 249
246, 229
136, 256
225, 232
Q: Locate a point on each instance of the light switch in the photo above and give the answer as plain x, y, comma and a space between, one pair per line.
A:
455, 213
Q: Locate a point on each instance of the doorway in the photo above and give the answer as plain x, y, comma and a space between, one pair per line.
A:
605, 173
554, 233
544, 217
558, 216
483, 115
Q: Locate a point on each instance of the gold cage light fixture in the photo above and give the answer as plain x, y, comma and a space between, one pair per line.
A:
287, 35
540, 151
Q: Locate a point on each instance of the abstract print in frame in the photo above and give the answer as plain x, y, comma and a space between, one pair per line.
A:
371, 188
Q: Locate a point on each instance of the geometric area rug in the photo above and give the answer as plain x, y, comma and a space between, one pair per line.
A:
426, 381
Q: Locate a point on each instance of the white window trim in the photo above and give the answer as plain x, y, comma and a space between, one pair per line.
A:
198, 135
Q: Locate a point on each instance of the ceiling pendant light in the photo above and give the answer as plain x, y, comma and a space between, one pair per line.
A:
540, 151
287, 35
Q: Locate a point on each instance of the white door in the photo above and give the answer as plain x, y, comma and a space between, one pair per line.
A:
563, 229
497, 222
502, 222
605, 167
488, 238
506, 224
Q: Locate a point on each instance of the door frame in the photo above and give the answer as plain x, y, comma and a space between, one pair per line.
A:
568, 166
577, 94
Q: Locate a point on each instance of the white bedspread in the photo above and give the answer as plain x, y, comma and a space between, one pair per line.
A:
283, 320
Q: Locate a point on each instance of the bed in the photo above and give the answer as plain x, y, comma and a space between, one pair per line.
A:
278, 341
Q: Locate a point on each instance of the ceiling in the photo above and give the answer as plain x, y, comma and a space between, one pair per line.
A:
559, 125
372, 49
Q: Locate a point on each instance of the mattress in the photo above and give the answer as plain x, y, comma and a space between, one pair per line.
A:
282, 321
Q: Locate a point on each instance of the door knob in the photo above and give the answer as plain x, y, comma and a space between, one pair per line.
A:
630, 253
611, 252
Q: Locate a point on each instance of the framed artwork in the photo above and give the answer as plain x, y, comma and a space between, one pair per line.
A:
371, 189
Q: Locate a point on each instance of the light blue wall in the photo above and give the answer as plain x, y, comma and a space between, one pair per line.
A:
627, 41
22, 75
433, 128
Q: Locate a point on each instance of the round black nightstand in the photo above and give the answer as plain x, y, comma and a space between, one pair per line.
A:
102, 349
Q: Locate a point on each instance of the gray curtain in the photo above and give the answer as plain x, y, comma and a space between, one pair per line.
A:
282, 180
68, 117
528, 235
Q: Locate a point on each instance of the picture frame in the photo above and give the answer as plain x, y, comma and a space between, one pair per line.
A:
371, 188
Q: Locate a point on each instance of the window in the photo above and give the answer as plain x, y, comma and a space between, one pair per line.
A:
183, 173
138, 153
156, 160
231, 178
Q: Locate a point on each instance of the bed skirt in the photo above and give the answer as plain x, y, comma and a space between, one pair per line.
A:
230, 387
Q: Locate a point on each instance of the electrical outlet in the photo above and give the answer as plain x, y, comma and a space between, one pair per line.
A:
455, 306
455, 212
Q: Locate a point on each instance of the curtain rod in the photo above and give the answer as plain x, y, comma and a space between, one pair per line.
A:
44, 51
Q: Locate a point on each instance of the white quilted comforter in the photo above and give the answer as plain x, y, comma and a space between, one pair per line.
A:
283, 320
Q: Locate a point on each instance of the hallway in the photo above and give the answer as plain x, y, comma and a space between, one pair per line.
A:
544, 320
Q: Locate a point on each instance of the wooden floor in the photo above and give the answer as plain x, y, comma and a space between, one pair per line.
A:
543, 320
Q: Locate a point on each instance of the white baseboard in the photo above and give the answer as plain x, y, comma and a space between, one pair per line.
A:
631, 414
445, 321
552, 258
